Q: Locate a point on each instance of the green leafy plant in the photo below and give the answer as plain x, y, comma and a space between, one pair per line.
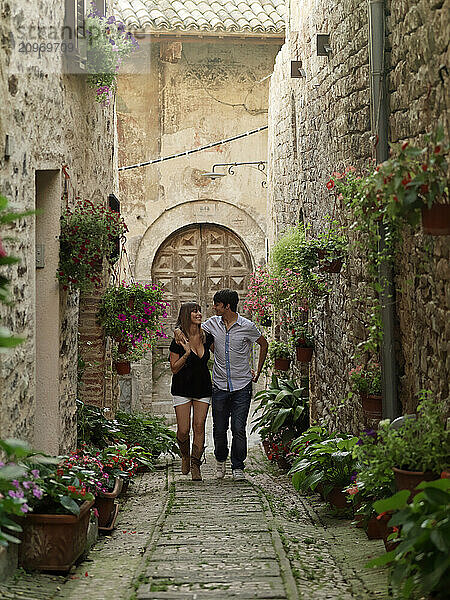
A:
423, 443
366, 379
88, 235
301, 336
284, 410
147, 431
279, 349
420, 563
108, 45
328, 461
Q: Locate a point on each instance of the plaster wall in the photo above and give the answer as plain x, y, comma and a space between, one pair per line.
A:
52, 120
320, 124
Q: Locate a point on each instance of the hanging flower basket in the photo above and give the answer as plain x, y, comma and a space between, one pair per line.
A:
123, 367
303, 354
282, 364
436, 220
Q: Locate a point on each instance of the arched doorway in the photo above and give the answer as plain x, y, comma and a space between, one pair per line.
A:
193, 263
196, 261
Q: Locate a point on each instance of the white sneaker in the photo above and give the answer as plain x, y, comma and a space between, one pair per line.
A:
221, 467
238, 475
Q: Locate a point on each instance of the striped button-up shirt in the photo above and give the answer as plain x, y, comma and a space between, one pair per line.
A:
232, 349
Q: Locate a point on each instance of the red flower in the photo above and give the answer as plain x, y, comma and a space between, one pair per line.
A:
330, 184
72, 488
424, 189
2, 250
424, 167
437, 149
405, 145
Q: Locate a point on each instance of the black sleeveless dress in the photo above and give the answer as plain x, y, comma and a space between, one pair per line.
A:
193, 380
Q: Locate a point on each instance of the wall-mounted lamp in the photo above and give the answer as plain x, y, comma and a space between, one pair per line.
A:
297, 70
323, 44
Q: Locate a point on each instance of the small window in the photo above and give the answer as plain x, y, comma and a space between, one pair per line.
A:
73, 31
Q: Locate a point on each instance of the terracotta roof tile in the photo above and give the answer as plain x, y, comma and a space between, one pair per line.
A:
265, 16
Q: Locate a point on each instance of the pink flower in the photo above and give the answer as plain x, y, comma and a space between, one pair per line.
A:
121, 317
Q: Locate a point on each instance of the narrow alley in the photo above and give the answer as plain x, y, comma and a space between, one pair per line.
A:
179, 539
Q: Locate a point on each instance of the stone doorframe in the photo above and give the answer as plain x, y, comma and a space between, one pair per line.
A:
249, 228
142, 251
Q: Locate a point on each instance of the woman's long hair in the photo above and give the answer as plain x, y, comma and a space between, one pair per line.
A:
184, 318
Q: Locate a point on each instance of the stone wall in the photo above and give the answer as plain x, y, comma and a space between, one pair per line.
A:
320, 124
53, 121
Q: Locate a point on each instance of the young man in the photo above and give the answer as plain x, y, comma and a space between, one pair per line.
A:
234, 337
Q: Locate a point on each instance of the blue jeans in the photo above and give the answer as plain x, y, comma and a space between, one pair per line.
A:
237, 405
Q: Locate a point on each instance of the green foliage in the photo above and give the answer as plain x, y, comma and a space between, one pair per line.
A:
286, 253
423, 443
88, 235
366, 379
284, 410
420, 564
279, 349
147, 431
324, 459
93, 428
302, 337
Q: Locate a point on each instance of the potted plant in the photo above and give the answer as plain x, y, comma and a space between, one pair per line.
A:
374, 480
280, 353
419, 449
420, 560
303, 342
366, 380
108, 45
331, 248
54, 532
88, 234
132, 312
284, 412
328, 460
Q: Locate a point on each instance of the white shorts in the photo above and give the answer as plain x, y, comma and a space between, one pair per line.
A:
177, 400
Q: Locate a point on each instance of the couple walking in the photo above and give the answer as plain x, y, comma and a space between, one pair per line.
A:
231, 337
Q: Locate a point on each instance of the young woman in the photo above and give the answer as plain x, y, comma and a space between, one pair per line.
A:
191, 386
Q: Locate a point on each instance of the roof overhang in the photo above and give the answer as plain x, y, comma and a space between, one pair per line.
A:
205, 36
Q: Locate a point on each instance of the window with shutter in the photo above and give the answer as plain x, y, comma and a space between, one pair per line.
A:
100, 5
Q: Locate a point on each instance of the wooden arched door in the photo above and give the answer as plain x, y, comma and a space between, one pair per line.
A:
198, 260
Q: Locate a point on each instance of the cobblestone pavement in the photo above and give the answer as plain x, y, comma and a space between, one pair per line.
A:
179, 539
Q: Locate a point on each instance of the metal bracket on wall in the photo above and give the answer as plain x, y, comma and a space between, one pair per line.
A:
40, 262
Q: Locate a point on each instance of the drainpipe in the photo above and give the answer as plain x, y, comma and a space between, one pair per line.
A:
379, 123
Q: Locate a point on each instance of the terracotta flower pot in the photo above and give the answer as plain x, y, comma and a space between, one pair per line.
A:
436, 220
266, 446
337, 498
304, 354
376, 529
123, 367
372, 406
445, 475
282, 364
105, 504
53, 542
409, 480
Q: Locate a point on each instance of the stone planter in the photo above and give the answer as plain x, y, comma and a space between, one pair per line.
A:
122, 367
282, 364
337, 498
409, 480
106, 506
53, 542
372, 406
436, 220
303, 354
